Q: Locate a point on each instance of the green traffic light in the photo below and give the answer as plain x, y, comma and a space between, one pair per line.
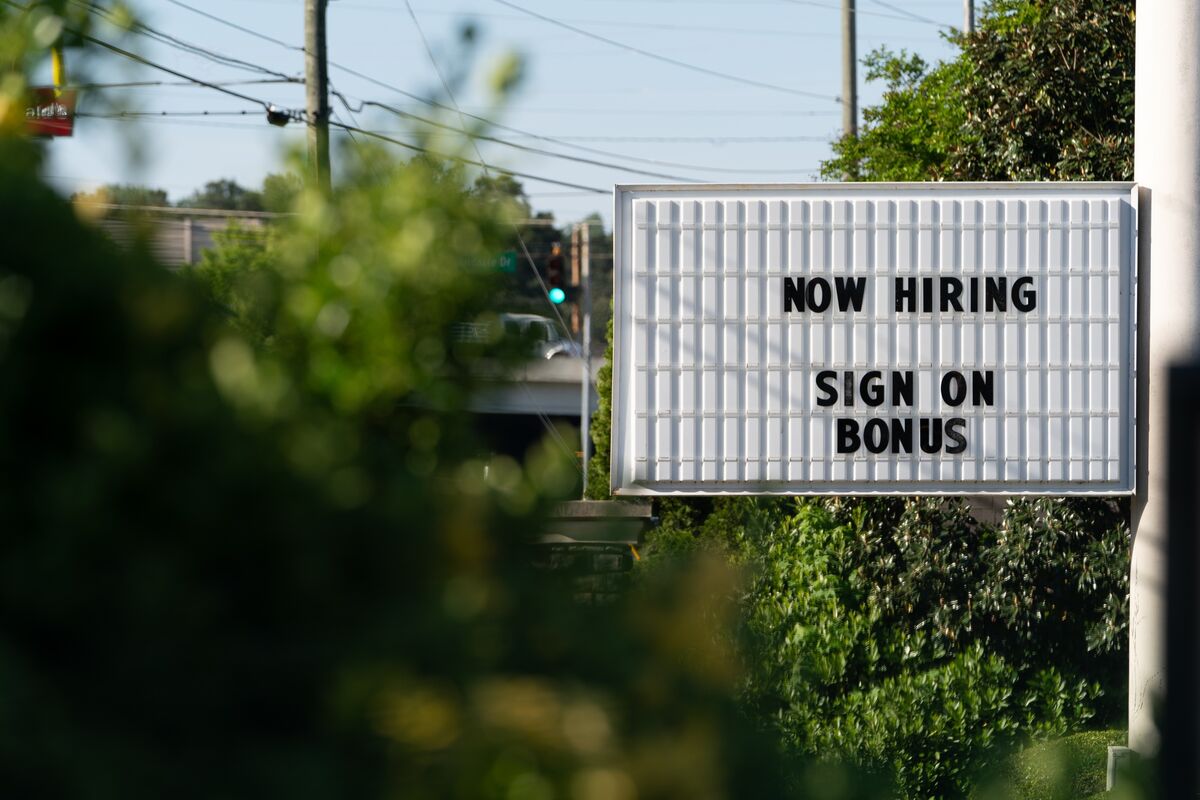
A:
557, 295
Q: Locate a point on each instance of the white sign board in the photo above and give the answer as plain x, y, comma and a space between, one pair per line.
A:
942, 338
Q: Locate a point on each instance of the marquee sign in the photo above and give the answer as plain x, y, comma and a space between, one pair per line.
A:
946, 338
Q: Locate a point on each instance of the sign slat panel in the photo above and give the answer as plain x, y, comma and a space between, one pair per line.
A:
870, 338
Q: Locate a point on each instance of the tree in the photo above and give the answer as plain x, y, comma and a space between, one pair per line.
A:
226, 195
124, 195
280, 190
1042, 91
504, 187
907, 637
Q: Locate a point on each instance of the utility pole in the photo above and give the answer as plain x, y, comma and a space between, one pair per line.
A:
316, 84
585, 337
968, 16
849, 66
1167, 170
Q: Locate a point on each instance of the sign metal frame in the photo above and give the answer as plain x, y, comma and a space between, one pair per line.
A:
1117, 480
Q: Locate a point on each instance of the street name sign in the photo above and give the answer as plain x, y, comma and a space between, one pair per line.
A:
922, 338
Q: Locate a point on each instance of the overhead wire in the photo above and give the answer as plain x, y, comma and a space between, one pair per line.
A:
903, 16
464, 130
427, 151
909, 14
268, 105
810, 3
712, 139
235, 26
567, 142
665, 59
450, 94
181, 44
162, 68
140, 84
526, 148
154, 114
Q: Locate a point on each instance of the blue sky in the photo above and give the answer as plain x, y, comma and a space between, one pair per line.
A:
586, 92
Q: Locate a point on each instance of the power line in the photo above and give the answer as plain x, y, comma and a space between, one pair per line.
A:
810, 3
568, 142
664, 59
486, 121
537, 150
909, 14
235, 26
700, 139
666, 26
181, 44
135, 114
141, 84
143, 60
462, 160
266, 105
676, 112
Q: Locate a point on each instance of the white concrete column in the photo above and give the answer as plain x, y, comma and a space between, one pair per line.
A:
1167, 168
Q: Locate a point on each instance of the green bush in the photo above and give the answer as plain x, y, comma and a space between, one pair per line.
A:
904, 636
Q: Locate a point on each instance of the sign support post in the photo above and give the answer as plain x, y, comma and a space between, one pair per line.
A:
1167, 169
585, 338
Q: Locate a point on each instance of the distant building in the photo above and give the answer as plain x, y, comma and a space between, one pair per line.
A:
177, 235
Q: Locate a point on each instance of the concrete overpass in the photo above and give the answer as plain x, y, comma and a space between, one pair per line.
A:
549, 387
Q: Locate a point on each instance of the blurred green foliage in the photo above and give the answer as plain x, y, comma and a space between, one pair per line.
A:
125, 195
245, 566
252, 543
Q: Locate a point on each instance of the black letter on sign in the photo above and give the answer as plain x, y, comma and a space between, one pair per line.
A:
982, 388
931, 434
902, 435
793, 294
871, 388
954, 388
850, 292
902, 388
847, 436
951, 290
875, 435
997, 297
954, 434
825, 383
906, 294
1024, 301
826, 294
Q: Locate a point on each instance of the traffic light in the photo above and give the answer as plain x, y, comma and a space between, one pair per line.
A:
555, 289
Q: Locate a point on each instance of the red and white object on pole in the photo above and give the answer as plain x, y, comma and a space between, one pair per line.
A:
50, 111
